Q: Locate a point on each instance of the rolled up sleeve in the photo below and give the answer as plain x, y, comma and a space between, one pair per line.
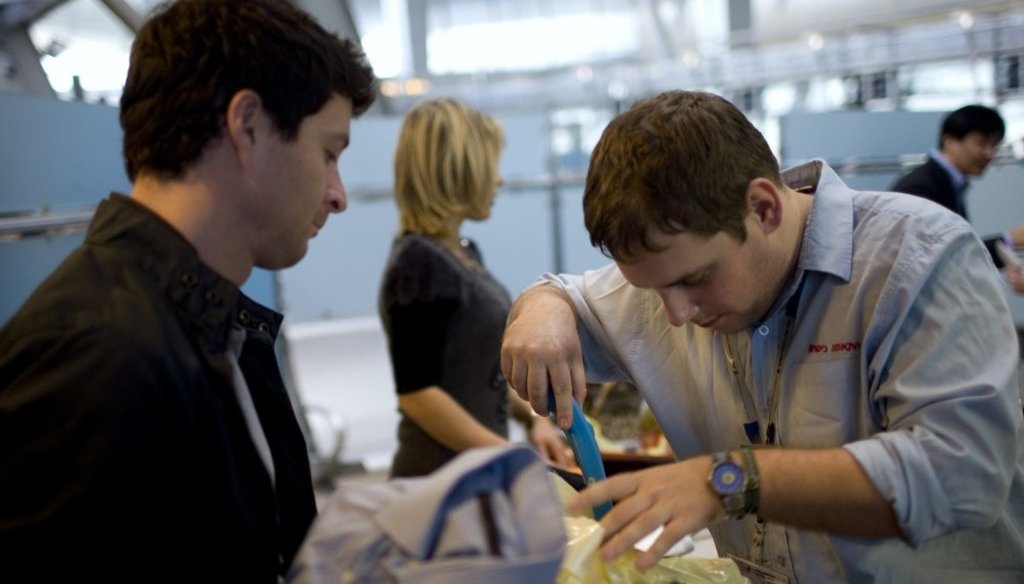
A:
948, 391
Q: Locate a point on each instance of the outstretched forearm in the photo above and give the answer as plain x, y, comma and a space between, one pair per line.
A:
825, 490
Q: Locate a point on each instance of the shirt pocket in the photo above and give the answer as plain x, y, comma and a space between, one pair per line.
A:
823, 404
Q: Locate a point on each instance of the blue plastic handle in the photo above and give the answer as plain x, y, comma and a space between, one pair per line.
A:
584, 446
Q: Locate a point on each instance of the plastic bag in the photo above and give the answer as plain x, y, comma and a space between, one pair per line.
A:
582, 564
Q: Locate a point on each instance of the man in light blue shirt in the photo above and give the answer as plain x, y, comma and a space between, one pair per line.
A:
830, 367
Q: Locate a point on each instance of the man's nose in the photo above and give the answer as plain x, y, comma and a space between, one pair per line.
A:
680, 308
337, 198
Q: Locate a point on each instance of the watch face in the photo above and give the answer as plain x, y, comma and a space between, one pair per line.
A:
727, 478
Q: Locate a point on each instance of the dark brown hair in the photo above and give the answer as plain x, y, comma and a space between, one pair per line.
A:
192, 56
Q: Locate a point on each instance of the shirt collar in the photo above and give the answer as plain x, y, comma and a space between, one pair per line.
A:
827, 244
958, 178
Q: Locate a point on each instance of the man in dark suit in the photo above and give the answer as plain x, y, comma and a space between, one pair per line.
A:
968, 142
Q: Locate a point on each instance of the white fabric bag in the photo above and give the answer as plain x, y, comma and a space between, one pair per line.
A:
490, 515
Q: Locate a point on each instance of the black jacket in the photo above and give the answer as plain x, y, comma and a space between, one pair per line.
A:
931, 181
124, 455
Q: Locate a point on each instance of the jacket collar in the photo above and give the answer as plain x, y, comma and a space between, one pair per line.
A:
162, 253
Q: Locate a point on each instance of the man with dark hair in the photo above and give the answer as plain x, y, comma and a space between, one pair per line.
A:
968, 142
147, 435
830, 367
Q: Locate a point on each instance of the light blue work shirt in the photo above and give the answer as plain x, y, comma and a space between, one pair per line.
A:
903, 352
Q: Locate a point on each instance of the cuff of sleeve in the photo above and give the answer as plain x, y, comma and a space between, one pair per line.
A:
890, 460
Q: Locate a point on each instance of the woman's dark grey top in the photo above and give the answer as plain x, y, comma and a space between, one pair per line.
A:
444, 322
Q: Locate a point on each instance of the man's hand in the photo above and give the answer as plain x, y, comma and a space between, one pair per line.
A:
1015, 278
549, 441
676, 496
541, 348
1013, 269
1017, 235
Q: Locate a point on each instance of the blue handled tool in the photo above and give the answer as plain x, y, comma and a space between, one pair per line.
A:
584, 446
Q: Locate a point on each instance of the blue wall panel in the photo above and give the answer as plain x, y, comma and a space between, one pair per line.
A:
68, 155
61, 155
994, 201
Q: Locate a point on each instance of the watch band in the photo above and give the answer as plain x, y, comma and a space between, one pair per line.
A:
752, 488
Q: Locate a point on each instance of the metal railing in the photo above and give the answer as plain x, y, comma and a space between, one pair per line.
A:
17, 225
46, 222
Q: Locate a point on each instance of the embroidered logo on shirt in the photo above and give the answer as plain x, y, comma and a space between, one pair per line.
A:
841, 347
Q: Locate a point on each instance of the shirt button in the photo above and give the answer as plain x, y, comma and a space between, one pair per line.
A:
189, 279
763, 330
781, 561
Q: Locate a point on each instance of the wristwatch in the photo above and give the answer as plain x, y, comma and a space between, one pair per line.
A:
736, 484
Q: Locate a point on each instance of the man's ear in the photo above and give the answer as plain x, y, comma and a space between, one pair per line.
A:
241, 119
765, 202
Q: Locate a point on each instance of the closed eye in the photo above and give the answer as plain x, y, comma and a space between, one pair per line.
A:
694, 279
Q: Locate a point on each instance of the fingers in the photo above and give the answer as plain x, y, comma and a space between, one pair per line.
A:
534, 364
1017, 235
670, 535
513, 367
537, 389
667, 496
548, 442
630, 520
529, 382
1015, 278
508, 370
578, 379
557, 453
556, 448
562, 386
635, 519
541, 349
613, 489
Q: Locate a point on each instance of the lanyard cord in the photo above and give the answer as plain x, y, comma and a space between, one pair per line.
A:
752, 427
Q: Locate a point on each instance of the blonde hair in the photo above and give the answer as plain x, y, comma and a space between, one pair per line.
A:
446, 162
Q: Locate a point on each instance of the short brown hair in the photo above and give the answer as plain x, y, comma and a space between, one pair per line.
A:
678, 161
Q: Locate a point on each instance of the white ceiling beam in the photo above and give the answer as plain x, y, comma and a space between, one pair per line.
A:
28, 73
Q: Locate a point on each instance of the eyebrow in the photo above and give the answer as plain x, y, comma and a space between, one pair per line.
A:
681, 280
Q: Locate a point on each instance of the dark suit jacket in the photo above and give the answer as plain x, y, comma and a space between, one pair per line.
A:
931, 181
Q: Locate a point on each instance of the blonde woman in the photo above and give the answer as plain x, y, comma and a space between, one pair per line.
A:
443, 312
